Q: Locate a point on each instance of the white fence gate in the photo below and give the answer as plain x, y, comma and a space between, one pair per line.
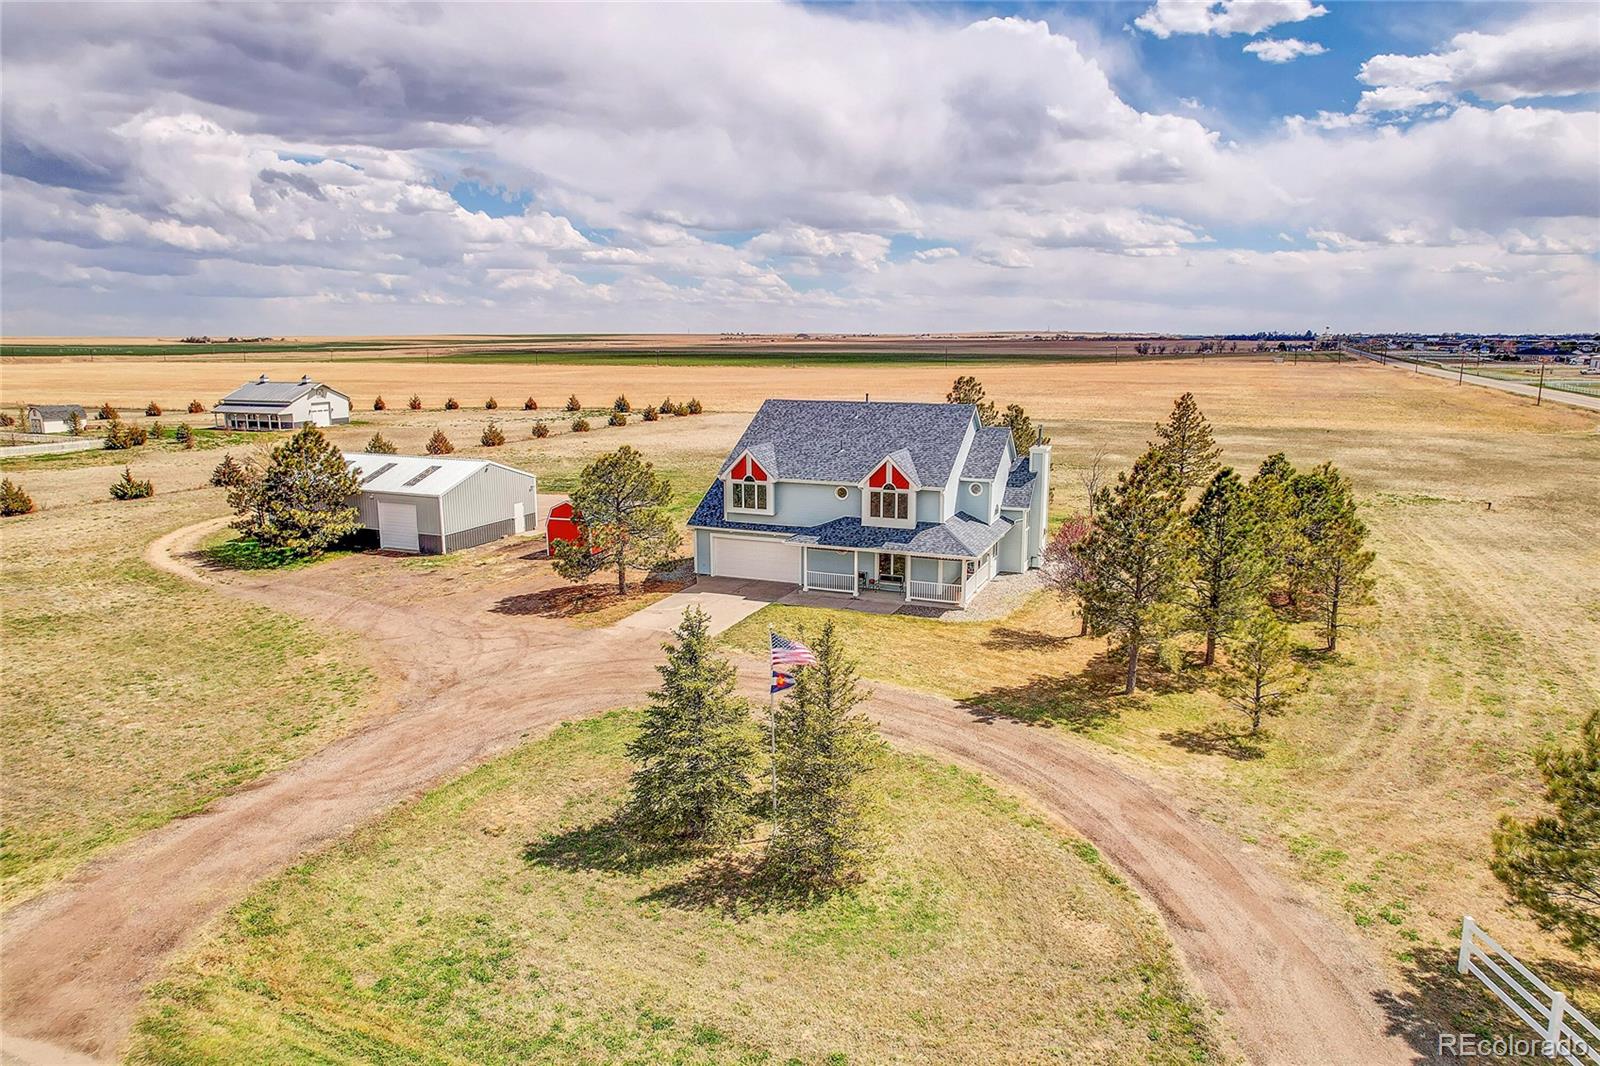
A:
1566, 1033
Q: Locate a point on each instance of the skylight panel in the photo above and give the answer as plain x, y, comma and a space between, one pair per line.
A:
425, 472
382, 470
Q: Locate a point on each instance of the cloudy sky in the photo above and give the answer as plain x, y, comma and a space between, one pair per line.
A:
1280, 164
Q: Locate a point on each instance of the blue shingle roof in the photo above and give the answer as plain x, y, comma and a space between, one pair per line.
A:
1019, 485
961, 535
843, 440
988, 448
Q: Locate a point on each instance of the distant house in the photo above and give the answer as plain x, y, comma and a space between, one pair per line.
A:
920, 500
263, 404
431, 504
54, 417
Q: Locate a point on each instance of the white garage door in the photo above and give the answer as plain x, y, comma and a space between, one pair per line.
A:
322, 414
763, 560
397, 526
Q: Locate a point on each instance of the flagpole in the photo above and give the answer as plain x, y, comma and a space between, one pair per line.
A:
772, 717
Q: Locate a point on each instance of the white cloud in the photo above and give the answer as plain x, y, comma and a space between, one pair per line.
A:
1274, 50
932, 255
1224, 17
1548, 54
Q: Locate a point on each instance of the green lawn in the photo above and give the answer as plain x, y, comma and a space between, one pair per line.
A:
491, 922
133, 697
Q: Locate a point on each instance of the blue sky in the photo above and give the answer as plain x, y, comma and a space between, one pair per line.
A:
1167, 164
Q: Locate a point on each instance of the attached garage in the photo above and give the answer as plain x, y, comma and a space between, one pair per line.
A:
756, 558
431, 504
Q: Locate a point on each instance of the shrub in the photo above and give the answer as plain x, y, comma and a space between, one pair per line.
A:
128, 488
581, 426
679, 410
621, 404
196, 407
380, 445
541, 430
13, 500
452, 405
157, 431
490, 404
75, 424
651, 414
229, 473
152, 410
379, 404
530, 404
439, 444
618, 419
7, 420
415, 403
301, 501
184, 435
667, 406
694, 407
492, 436
573, 404
107, 413
120, 435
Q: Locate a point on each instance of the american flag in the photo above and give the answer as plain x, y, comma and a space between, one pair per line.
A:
790, 653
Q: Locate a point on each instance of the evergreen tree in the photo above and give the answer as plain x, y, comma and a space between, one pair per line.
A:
1261, 668
128, 487
1229, 573
1272, 502
1185, 442
1551, 865
415, 403
624, 523
439, 444
822, 835
695, 750
75, 424
573, 404
381, 445
14, 501
492, 436
302, 500
1024, 434
1336, 561
229, 472
1135, 557
621, 405
966, 389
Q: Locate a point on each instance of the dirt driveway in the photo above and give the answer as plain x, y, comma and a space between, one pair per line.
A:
1291, 986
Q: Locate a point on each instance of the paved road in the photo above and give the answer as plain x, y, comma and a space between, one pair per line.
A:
1571, 399
1292, 986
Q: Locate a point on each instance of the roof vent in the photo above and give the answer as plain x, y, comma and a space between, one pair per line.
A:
305, 379
262, 380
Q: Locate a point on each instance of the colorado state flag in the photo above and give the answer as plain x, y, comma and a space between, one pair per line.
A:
781, 681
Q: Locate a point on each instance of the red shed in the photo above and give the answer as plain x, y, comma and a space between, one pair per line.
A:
561, 525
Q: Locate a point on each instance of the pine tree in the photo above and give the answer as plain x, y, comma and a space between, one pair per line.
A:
379, 404
1336, 561
1551, 865
1261, 668
14, 501
1229, 574
1135, 557
415, 403
822, 838
1272, 502
128, 487
229, 473
573, 404
301, 501
530, 404
696, 749
381, 445
625, 521
492, 436
967, 389
1185, 442
439, 444
1024, 434
621, 405
74, 424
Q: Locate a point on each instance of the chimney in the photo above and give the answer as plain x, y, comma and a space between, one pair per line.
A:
1039, 512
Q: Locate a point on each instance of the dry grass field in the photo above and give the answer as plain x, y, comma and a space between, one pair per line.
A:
495, 922
1379, 788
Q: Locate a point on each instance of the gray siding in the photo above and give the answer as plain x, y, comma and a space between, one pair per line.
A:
486, 498
826, 561
702, 551
976, 506
471, 538
1013, 547
929, 506
804, 504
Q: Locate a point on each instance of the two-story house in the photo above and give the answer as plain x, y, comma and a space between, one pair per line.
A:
845, 496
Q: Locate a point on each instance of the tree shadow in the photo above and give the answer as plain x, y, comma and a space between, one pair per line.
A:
606, 846
1433, 1000
1010, 638
574, 601
1080, 702
1216, 739
736, 886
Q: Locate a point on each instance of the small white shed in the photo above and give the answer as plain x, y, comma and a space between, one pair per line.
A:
434, 504
54, 417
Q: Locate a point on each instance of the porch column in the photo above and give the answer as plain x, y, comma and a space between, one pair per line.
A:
855, 574
805, 569
961, 571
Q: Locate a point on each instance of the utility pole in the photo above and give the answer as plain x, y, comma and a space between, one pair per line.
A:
1461, 368
1539, 399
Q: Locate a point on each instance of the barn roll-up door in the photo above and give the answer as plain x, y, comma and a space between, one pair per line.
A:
397, 526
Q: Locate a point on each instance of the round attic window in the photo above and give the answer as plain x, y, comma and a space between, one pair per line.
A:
841, 492
975, 488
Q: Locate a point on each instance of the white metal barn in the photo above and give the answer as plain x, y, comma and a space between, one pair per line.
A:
263, 404
432, 504
54, 418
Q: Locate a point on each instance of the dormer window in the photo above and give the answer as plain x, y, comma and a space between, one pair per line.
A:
888, 503
888, 494
749, 487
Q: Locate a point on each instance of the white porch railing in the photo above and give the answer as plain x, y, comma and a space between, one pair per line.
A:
817, 579
938, 591
1565, 1032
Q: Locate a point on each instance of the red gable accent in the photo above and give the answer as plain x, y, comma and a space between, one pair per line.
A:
756, 471
739, 468
888, 474
747, 466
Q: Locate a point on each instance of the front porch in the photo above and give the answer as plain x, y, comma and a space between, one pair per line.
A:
899, 578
